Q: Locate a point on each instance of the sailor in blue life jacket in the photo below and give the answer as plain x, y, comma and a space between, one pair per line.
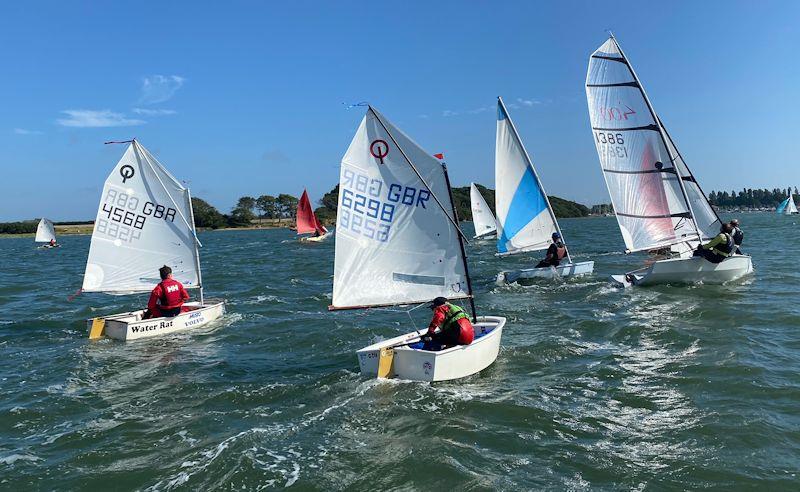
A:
738, 235
555, 253
720, 247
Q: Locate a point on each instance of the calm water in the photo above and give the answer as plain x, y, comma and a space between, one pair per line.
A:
595, 388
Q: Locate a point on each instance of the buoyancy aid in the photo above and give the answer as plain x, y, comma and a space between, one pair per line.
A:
727, 248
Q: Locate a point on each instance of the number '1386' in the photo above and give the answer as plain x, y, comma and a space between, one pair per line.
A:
609, 138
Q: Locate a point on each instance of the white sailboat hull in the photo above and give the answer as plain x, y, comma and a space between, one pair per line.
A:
688, 271
130, 326
563, 270
317, 239
452, 363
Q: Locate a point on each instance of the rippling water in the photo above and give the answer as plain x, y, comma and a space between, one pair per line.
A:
595, 387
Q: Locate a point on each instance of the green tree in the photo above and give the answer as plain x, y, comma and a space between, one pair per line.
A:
246, 203
268, 205
205, 215
287, 205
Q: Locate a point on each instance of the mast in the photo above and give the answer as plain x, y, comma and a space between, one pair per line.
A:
196, 248
461, 245
536, 175
657, 122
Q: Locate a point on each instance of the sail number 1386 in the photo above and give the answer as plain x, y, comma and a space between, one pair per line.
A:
611, 144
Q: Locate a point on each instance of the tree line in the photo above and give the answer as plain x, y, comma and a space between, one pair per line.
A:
750, 198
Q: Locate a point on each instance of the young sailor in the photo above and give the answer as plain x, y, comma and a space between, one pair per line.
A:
555, 253
718, 248
455, 326
168, 296
738, 235
52, 243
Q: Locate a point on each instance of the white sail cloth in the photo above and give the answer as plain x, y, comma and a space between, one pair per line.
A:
524, 219
482, 217
45, 231
791, 208
641, 165
144, 221
394, 243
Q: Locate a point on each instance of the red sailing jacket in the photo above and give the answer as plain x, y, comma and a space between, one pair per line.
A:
169, 294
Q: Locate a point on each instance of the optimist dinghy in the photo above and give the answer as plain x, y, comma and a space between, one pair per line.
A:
658, 202
45, 232
398, 243
525, 218
307, 222
482, 218
145, 220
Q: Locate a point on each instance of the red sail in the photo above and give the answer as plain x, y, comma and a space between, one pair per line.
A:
306, 220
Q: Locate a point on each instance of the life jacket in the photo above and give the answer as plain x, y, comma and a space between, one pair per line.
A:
561, 250
726, 249
738, 236
170, 297
454, 314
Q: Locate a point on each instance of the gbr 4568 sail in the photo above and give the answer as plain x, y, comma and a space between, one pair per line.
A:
657, 200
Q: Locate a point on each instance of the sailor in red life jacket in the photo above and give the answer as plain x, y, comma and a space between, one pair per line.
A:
555, 253
454, 322
168, 296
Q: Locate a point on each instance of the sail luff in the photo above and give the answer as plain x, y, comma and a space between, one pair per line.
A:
196, 247
662, 134
461, 245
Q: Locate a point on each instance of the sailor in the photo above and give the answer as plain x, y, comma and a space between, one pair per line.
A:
738, 235
555, 253
167, 298
52, 243
718, 248
455, 328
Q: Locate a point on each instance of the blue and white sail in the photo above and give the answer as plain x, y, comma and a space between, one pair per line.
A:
787, 207
525, 220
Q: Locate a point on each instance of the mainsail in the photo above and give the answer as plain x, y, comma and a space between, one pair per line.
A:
525, 220
397, 241
45, 231
144, 221
482, 217
791, 208
657, 200
306, 220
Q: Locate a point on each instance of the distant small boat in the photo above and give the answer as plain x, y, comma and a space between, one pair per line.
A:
658, 202
307, 222
787, 207
46, 232
482, 218
144, 220
525, 219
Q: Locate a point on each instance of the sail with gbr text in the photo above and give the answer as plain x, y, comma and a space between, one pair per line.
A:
656, 198
144, 221
396, 239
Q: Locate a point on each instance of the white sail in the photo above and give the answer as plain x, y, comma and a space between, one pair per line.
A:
525, 221
45, 231
394, 243
482, 217
641, 165
791, 208
144, 221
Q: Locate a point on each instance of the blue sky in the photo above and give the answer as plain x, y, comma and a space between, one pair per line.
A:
246, 97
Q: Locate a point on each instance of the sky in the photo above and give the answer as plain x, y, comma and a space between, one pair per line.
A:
249, 98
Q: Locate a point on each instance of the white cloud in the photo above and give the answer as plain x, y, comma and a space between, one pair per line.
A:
447, 113
528, 102
22, 131
159, 88
154, 112
88, 118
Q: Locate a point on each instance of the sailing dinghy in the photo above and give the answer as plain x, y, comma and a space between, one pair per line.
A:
144, 221
307, 221
398, 243
787, 207
482, 218
658, 202
46, 232
525, 218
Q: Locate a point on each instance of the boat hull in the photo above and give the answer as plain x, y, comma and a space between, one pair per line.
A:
317, 239
452, 363
563, 270
131, 326
689, 271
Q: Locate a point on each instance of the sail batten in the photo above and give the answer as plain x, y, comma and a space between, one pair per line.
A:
657, 200
141, 225
396, 241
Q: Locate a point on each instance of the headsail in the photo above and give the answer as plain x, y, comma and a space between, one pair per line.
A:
782, 207
306, 219
144, 221
656, 198
482, 217
525, 220
396, 239
45, 231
